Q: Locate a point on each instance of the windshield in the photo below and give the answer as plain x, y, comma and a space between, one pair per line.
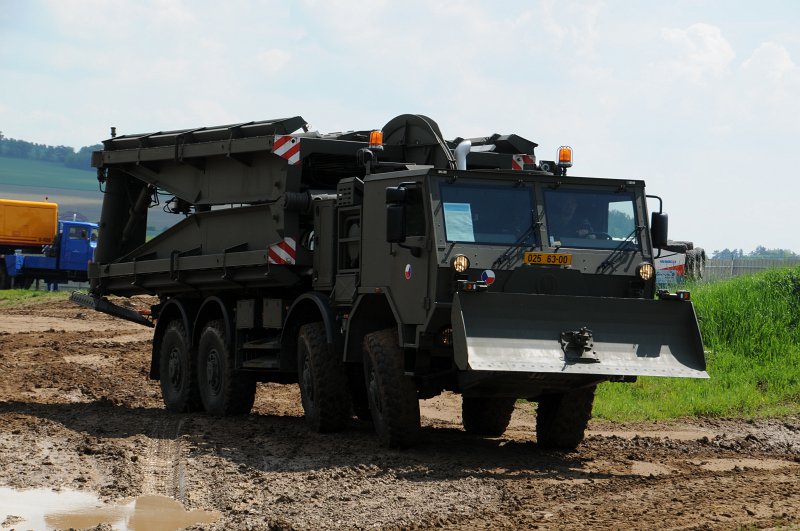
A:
486, 214
590, 219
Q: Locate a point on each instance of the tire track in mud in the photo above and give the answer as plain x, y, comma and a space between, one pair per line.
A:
163, 470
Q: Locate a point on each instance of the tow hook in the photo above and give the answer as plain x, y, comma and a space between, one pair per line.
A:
577, 346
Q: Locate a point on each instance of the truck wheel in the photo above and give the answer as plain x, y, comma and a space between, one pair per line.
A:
323, 381
391, 394
690, 265
700, 265
23, 282
486, 415
5, 280
177, 369
561, 418
223, 391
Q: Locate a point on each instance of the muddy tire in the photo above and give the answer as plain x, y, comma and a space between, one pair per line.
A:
561, 418
392, 395
323, 381
178, 377
223, 391
488, 416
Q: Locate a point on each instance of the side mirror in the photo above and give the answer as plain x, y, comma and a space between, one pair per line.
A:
659, 222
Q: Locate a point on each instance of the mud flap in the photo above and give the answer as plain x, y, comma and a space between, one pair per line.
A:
601, 336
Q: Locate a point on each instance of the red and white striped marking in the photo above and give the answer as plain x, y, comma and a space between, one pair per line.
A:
518, 162
283, 253
287, 147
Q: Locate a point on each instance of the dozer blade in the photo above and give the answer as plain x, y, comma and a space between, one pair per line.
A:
576, 335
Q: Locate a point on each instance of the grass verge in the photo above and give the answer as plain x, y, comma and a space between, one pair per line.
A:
750, 330
16, 297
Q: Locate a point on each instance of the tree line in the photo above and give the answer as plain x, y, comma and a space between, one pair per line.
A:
21, 149
758, 252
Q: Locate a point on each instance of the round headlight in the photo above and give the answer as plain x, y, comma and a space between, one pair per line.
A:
646, 271
460, 263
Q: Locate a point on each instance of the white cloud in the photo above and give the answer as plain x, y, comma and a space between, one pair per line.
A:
688, 107
773, 62
273, 61
705, 52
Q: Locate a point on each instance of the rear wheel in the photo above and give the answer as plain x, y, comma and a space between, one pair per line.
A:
178, 378
5, 280
23, 282
486, 415
323, 380
392, 395
561, 418
222, 389
700, 263
689, 265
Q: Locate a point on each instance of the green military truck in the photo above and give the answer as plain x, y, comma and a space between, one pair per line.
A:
378, 268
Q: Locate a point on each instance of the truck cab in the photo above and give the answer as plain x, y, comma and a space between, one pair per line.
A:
65, 259
77, 242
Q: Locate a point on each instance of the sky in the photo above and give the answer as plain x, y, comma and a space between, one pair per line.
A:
701, 99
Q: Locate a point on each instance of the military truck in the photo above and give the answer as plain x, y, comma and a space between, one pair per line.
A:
378, 268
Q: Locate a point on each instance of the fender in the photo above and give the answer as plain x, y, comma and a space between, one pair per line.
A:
307, 308
207, 313
299, 309
173, 309
370, 313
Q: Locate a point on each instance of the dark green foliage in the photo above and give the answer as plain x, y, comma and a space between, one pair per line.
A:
752, 338
619, 224
67, 156
758, 252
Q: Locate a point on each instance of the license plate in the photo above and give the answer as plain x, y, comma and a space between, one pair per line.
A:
548, 258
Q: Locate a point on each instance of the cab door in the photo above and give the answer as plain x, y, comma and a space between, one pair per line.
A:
76, 248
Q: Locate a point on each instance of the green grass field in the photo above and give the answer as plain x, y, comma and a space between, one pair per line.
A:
34, 173
16, 297
750, 330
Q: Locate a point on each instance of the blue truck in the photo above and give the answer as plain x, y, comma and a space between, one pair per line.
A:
35, 245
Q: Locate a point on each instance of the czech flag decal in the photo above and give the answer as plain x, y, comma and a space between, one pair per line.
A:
488, 277
407, 272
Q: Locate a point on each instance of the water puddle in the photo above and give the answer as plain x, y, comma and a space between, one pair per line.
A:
48, 509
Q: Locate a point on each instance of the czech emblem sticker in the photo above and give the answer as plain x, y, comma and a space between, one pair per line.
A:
488, 277
408, 272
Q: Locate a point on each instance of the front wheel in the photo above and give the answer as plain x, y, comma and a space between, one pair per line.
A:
323, 381
561, 418
392, 395
224, 392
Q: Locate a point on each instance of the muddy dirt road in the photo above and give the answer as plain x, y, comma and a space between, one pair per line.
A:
78, 412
